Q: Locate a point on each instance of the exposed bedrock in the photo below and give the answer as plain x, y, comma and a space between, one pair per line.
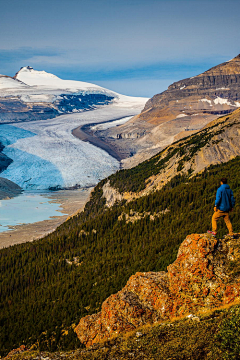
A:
201, 278
5, 161
184, 108
8, 189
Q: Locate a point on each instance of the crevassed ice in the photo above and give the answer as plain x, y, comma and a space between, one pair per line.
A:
53, 157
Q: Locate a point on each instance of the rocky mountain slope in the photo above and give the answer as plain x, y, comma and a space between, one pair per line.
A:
67, 275
184, 108
95, 252
8, 189
4, 159
211, 335
216, 143
205, 275
210, 276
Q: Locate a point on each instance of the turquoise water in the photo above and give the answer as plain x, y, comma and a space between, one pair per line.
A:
27, 208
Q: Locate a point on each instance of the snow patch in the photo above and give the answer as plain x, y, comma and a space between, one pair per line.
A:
182, 87
108, 125
206, 100
181, 115
221, 101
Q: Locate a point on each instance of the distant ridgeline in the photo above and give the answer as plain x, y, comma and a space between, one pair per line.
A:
48, 285
33, 95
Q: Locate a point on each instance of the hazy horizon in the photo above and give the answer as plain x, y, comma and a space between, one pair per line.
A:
134, 47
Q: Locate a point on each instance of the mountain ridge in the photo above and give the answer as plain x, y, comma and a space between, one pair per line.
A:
216, 143
186, 106
38, 95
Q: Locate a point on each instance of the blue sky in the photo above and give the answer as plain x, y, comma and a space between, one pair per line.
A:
135, 47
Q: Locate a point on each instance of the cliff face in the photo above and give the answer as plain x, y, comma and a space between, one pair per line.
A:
4, 159
8, 189
205, 275
184, 108
220, 84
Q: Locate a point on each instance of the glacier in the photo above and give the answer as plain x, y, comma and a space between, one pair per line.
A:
45, 154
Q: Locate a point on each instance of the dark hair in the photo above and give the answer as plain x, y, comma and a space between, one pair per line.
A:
224, 180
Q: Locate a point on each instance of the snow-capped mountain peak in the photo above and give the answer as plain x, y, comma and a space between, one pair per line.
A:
33, 77
7, 82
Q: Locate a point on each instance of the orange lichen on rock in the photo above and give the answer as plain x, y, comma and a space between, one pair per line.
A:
19, 350
201, 278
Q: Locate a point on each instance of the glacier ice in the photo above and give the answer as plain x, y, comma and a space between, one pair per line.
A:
45, 153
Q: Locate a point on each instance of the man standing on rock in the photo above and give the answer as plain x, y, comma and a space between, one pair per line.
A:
224, 203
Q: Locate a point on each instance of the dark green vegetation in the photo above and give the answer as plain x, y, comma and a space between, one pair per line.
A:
47, 285
228, 334
135, 179
210, 336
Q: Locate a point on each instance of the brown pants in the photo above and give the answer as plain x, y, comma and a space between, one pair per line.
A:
216, 216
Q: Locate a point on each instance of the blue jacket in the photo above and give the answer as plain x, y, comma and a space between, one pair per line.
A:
224, 198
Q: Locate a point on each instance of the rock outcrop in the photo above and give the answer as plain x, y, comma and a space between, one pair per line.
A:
184, 108
8, 189
205, 275
20, 350
5, 161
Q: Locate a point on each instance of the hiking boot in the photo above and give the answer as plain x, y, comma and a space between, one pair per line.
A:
233, 236
213, 233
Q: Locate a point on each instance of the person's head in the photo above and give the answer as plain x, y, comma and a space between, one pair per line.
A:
224, 181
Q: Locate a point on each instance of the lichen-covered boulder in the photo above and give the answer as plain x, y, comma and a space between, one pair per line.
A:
205, 275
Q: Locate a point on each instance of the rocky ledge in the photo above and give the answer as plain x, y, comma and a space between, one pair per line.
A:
205, 275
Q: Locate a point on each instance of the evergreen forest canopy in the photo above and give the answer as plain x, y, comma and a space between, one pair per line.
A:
46, 286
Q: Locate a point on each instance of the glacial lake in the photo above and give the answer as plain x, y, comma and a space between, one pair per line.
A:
27, 208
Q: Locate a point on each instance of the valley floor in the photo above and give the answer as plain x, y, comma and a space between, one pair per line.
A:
72, 201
